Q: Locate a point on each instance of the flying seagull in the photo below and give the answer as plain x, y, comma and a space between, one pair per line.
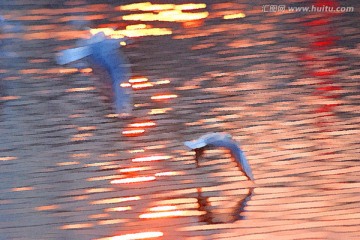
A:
223, 140
105, 53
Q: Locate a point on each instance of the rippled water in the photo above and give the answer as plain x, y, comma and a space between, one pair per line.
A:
285, 85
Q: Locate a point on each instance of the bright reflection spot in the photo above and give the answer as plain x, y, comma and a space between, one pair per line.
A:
161, 82
151, 158
234, 16
134, 169
134, 132
178, 201
159, 111
133, 180
144, 124
162, 208
115, 200
98, 190
162, 174
67, 163
68, 70
111, 221
124, 85
136, 26
8, 98
85, 70
47, 208
136, 151
101, 178
190, 6
7, 158
76, 226
81, 137
166, 16
177, 213
86, 128
138, 80
142, 85
135, 236
138, 32
83, 89
164, 96
118, 209
21, 189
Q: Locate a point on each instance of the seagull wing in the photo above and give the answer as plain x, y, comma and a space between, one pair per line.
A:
73, 54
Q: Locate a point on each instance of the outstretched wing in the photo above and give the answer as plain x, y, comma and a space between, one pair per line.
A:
73, 54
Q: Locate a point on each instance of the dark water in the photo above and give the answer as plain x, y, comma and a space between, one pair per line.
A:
284, 84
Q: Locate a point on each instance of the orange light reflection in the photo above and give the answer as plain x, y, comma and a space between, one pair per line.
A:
138, 80
134, 169
234, 16
133, 180
134, 132
135, 236
115, 200
151, 158
118, 209
177, 213
165, 96
144, 124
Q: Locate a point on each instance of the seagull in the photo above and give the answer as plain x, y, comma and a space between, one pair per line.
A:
104, 53
223, 140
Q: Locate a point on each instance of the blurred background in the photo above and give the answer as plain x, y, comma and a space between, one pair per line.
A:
284, 84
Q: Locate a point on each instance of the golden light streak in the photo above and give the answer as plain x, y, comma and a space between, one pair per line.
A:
124, 85
133, 132
165, 96
135, 236
7, 158
68, 70
162, 208
83, 89
144, 124
159, 111
21, 189
157, 7
234, 16
119, 34
8, 98
111, 221
136, 151
101, 178
85, 70
98, 190
86, 128
118, 209
115, 200
166, 16
160, 82
190, 6
177, 213
142, 85
138, 80
76, 226
47, 208
151, 158
134, 169
133, 180
162, 174
135, 26
134, 6
67, 163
